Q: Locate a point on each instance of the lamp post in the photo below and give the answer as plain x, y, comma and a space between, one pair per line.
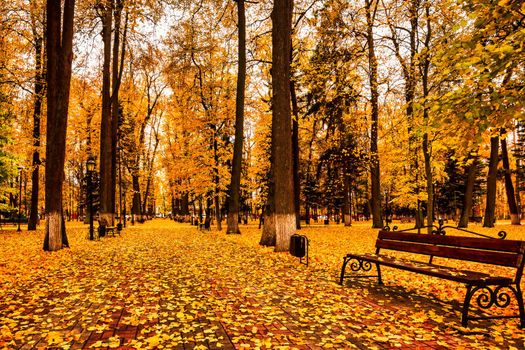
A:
90, 167
20, 168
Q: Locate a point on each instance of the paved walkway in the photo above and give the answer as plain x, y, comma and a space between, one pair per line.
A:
167, 285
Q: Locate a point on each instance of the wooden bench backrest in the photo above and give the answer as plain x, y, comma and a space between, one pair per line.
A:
483, 250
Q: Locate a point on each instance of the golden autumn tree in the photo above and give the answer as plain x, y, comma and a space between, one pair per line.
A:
202, 56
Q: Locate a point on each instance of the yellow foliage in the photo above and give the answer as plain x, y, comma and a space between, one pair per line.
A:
182, 286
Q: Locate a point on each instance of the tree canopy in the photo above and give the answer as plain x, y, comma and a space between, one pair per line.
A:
393, 109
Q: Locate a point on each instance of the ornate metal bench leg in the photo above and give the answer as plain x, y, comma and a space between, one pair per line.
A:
345, 261
519, 297
466, 304
379, 279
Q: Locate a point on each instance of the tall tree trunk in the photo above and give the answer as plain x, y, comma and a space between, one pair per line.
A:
374, 102
174, 210
410, 93
307, 203
307, 212
295, 155
235, 185
426, 143
216, 182
107, 186
136, 209
509, 187
492, 178
115, 81
184, 204
200, 208
518, 186
280, 220
59, 49
150, 173
207, 221
347, 204
470, 180
408, 66
37, 113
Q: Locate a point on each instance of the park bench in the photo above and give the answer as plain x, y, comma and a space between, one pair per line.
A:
493, 290
104, 229
206, 225
476, 219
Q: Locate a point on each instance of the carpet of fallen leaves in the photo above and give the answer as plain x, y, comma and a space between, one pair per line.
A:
164, 285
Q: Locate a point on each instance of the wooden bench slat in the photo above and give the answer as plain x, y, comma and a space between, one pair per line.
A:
481, 256
445, 272
512, 246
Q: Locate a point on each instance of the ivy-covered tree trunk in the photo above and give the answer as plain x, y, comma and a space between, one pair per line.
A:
279, 224
492, 177
59, 49
235, 184
509, 187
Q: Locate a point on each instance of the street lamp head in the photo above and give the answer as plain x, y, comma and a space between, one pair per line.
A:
90, 164
20, 168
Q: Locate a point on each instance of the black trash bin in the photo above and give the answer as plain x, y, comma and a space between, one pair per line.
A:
298, 246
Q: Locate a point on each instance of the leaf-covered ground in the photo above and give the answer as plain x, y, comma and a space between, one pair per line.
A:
168, 285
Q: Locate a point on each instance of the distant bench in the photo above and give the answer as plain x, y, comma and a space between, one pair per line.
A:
495, 290
477, 219
104, 229
206, 225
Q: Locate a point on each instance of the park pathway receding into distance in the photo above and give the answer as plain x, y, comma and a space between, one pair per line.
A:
168, 285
